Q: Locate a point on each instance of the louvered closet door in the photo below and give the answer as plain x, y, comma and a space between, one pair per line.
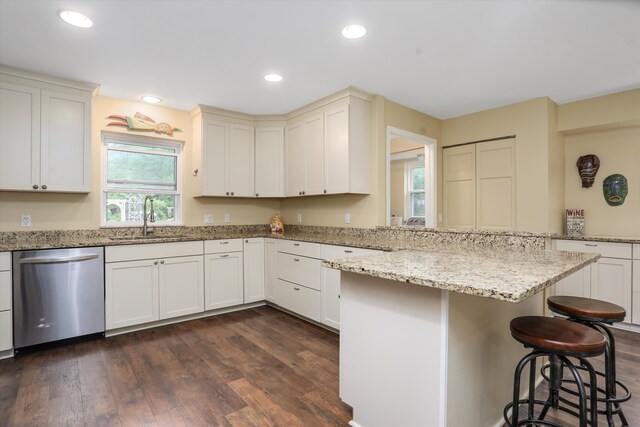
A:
496, 185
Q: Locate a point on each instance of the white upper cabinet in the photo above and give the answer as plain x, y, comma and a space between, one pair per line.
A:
328, 148
269, 161
45, 136
223, 156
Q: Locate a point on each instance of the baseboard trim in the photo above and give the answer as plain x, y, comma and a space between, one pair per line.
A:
524, 395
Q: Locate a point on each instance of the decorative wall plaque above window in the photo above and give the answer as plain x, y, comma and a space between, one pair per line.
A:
143, 123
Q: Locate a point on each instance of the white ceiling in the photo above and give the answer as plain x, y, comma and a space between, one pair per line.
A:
444, 58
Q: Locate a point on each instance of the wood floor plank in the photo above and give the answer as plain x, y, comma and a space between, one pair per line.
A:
265, 406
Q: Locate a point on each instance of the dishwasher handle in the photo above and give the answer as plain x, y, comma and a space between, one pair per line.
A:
37, 260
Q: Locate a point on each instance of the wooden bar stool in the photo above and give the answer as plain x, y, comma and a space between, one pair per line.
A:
557, 339
597, 314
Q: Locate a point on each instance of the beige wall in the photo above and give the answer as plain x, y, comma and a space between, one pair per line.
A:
56, 211
529, 121
616, 110
619, 152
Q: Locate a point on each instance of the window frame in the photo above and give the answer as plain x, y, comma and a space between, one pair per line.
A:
119, 138
409, 192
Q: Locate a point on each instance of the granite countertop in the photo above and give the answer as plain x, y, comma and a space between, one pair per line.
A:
611, 239
499, 274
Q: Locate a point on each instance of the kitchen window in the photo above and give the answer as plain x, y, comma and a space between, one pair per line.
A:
415, 191
135, 167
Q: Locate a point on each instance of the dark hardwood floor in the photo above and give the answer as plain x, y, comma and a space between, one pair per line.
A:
258, 367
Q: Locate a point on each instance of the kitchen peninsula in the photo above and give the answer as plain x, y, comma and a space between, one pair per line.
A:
424, 337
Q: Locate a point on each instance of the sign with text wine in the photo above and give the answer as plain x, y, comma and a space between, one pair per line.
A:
575, 222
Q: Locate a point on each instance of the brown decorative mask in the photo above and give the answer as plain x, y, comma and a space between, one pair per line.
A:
588, 168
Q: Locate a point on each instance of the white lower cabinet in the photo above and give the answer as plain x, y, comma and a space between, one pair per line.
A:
254, 270
6, 328
223, 274
608, 279
299, 299
165, 281
270, 269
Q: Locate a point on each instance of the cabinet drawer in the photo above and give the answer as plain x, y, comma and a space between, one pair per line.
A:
636, 251
299, 248
151, 251
5, 290
299, 299
606, 249
635, 272
6, 338
5, 261
335, 252
298, 269
223, 245
635, 318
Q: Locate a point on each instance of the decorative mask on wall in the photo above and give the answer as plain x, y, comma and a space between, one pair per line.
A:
615, 189
588, 168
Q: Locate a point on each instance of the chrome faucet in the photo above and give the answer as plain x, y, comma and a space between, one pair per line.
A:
151, 215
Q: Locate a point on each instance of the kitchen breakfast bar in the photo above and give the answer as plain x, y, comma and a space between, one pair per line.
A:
425, 338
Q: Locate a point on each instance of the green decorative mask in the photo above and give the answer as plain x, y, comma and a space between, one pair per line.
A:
615, 189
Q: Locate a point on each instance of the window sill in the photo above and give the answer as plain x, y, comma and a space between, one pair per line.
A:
130, 225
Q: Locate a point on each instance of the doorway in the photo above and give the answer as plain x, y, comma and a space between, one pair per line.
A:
411, 179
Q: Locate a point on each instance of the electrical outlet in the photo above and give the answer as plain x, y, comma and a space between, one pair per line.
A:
25, 220
299, 216
208, 219
227, 217
347, 218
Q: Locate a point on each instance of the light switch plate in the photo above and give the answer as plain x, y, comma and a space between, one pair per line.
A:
208, 219
25, 220
347, 218
227, 217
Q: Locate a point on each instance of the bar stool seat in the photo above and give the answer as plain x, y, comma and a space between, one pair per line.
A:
558, 340
586, 309
596, 314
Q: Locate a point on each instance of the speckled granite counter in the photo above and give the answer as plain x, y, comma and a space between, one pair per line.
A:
499, 274
611, 239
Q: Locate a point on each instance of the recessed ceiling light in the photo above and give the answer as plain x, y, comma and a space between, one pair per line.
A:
354, 31
151, 99
273, 78
76, 19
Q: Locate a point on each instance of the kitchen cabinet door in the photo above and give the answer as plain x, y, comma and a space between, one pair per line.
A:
636, 286
336, 150
299, 299
271, 269
241, 161
65, 155
459, 197
131, 293
214, 158
223, 280
6, 331
577, 284
295, 159
314, 156
269, 164
181, 286
19, 137
254, 270
496, 185
611, 281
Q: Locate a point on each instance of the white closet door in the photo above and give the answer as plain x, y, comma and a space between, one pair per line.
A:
459, 187
496, 185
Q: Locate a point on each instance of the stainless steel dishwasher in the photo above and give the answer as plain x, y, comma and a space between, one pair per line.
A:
58, 296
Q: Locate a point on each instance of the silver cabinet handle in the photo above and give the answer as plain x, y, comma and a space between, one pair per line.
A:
257, 194
296, 244
162, 262
296, 259
44, 187
227, 193
296, 289
224, 255
232, 193
57, 260
226, 242
155, 262
590, 244
35, 186
347, 251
